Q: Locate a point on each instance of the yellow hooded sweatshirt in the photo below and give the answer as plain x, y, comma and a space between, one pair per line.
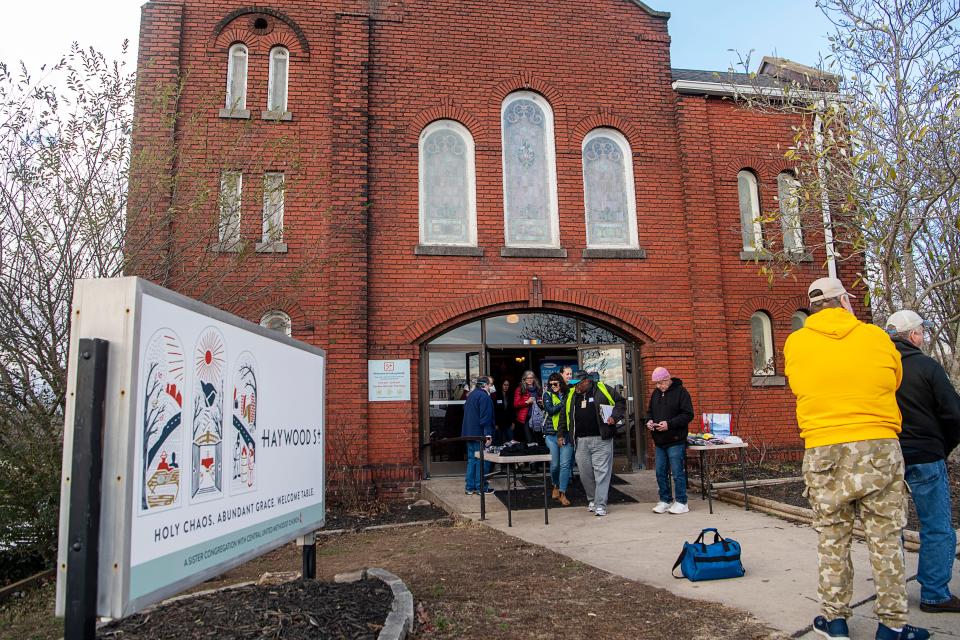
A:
845, 375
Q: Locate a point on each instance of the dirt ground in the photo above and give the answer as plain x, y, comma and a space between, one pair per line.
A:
472, 582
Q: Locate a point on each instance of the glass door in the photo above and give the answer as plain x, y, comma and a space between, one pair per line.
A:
609, 362
448, 383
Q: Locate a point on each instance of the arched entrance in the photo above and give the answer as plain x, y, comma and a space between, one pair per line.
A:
505, 345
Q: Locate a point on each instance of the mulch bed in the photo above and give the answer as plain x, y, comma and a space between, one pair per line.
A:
791, 494
380, 514
294, 611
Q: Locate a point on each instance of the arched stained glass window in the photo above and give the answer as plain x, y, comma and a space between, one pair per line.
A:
761, 338
787, 187
529, 172
609, 199
749, 197
277, 83
448, 199
798, 319
237, 77
278, 321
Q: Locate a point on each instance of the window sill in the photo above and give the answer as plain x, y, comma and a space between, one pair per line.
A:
446, 250
238, 114
227, 246
768, 381
273, 246
638, 254
532, 252
276, 115
763, 256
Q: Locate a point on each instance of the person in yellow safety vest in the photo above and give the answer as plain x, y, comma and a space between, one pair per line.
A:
589, 420
561, 456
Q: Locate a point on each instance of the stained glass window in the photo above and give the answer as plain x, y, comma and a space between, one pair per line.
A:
608, 191
749, 211
447, 185
529, 172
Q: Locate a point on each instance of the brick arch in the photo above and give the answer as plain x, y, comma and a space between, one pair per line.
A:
581, 303
796, 303
760, 303
230, 29
446, 110
729, 170
281, 302
606, 118
776, 167
525, 81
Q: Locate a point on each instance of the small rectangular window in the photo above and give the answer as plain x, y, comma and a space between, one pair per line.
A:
231, 185
277, 89
273, 199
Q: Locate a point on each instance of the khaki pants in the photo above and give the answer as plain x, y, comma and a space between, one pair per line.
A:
841, 478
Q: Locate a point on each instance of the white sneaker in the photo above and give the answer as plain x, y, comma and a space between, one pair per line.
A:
601, 511
591, 507
677, 508
661, 507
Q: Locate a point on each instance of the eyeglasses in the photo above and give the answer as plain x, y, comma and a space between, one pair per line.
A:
554, 384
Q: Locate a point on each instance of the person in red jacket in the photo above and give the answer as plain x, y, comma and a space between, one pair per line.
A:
528, 392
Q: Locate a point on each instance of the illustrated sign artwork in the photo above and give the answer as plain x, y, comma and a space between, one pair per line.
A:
388, 380
215, 456
209, 359
162, 421
244, 420
717, 423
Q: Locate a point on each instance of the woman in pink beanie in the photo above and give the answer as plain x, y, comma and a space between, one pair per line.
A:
668, 417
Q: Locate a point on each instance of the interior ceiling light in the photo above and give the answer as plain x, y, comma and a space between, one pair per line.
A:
513, 318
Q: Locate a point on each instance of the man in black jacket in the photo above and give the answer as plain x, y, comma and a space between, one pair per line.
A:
589, 419
931, 429
668, 417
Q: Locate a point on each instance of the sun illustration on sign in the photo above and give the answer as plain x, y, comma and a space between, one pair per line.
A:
209, 356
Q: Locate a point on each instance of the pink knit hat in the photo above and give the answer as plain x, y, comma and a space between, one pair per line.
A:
660, 374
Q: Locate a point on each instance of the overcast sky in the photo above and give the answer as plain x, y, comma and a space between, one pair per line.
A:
702, 31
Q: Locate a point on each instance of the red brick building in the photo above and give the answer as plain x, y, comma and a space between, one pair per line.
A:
475, 187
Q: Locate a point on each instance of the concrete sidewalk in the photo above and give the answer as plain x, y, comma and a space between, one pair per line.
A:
780, 587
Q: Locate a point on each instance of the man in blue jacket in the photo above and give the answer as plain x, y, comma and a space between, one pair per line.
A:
931, 430
478, 420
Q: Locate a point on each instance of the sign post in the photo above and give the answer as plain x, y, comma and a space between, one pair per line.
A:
84, 522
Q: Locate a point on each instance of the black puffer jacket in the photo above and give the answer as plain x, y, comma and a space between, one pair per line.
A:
929, 404
676, 407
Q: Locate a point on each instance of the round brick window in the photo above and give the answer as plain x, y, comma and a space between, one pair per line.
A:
261, 24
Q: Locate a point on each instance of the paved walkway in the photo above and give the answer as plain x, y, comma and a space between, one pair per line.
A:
780, 587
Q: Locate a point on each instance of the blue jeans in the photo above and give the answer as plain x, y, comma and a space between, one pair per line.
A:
672, 461
938, 541
561, 462
473, 468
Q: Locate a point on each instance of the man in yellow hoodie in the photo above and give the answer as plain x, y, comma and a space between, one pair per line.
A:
845, 375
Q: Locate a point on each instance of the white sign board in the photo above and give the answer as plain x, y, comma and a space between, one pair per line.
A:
213, 443
388, 380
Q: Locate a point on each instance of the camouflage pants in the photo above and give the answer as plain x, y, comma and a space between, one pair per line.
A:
841, 478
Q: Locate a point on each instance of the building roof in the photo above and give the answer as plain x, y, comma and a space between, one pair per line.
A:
774, 76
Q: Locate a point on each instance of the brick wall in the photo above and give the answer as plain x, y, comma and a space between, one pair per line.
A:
365, 78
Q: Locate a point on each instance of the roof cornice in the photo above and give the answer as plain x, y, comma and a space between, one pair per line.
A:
729, 90
652, 12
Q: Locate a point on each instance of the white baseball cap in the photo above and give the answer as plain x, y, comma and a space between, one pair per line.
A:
906, 320
825, 289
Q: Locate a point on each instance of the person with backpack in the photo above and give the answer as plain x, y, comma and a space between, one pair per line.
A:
527, 394
561, 455
668, 418
591, 412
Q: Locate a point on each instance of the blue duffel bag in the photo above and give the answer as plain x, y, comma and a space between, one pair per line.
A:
716, 561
